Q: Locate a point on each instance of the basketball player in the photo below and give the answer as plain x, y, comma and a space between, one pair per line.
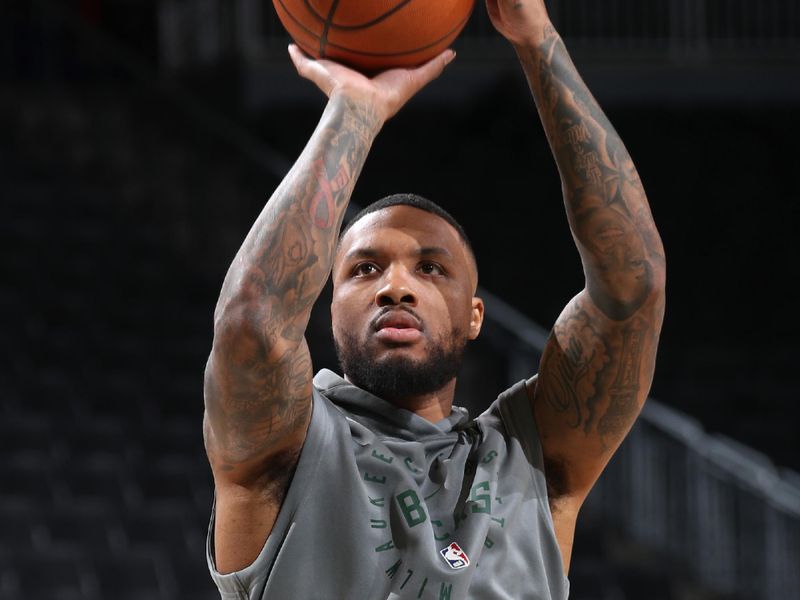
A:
375, 486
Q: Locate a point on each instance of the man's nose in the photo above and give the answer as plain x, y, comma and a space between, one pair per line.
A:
396, 288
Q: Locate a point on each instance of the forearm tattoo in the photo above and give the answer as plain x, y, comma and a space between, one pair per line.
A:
273, 283
605, 201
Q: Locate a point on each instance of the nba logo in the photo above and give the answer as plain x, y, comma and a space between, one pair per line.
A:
455, 556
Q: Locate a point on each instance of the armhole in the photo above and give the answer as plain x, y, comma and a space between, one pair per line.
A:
247, 582
516, 411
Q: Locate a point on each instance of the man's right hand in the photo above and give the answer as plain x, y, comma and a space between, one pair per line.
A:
387, 91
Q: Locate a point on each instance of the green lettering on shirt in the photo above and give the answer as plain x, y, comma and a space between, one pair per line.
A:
422, 588
410, 465
405, 581
445, 591
375, 478
488, 542
501, 521
387, 459
376, 501
377, 523
411, 507
384, 547
482, 502
489, 457
392, 571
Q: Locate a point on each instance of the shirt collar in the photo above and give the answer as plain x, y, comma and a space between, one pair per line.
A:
382, 415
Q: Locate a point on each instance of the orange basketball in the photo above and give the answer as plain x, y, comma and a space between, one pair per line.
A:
373, 35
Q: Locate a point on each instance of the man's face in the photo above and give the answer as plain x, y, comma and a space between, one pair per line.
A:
403, 302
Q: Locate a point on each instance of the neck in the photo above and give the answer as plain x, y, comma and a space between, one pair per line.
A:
433, 406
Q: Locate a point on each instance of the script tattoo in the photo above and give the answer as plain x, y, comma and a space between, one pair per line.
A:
593, 378
258, 383
574, 370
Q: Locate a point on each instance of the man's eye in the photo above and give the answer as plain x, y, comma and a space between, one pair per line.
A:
431, 269
365, 269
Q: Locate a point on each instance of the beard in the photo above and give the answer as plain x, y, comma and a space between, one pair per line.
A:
398, 378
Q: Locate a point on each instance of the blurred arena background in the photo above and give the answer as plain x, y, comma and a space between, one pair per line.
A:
140, 138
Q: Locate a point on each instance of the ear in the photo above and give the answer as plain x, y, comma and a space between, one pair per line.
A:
476, 319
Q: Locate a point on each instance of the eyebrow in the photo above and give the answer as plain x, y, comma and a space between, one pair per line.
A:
434, 251
362, 253
421, 252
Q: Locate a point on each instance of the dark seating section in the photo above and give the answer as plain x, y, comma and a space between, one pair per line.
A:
105, 491
25, 440
27, 484
47, 574
18, 526
135, 574
75, 527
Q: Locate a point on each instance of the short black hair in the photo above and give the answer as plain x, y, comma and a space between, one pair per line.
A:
415, 201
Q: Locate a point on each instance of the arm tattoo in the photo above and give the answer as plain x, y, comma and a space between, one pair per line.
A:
605, 201
573, 373
287, 256
623, 394
593, 378
258, 382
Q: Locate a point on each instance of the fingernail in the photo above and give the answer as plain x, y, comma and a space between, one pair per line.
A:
450, 56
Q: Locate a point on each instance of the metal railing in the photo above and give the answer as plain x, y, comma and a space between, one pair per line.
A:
198, 32
720, 508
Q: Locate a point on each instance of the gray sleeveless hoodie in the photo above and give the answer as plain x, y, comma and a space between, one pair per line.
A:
385, 505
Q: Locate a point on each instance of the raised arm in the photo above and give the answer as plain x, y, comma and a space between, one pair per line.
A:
598, 364
258, 376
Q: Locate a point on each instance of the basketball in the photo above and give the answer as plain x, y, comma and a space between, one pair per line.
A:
375, 35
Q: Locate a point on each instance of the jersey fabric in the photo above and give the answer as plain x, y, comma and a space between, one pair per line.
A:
385, 505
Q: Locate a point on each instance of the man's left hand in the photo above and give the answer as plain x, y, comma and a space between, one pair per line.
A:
521, 22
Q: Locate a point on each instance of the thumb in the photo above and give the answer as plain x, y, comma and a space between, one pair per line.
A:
311, 70
421, 76
434, 67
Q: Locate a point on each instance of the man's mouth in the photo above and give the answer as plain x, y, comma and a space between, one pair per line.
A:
398, 326
397, 335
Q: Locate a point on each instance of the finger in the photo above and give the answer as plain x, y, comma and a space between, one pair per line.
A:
423, 75
298, 56
310, 69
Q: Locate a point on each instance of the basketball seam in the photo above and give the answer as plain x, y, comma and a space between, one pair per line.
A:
297, 21
411, 51
313, 11
374, 21
329, 24
323, 38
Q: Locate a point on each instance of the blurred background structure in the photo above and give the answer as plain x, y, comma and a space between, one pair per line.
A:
140, 138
